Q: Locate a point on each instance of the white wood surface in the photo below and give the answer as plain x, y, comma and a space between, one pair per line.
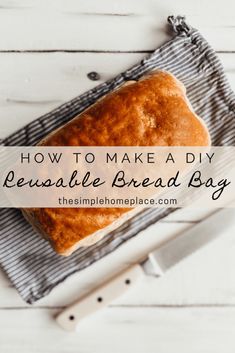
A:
31, 83
46, 50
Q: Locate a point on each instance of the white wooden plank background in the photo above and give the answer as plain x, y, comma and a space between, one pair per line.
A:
46, 50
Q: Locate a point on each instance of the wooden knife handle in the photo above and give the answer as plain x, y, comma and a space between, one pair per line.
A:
99, 298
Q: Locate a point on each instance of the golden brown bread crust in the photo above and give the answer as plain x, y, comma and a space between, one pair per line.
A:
151, 112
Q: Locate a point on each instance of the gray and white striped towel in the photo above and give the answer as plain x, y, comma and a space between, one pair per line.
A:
31, 265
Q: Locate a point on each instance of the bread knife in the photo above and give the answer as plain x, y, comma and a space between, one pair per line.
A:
157, 263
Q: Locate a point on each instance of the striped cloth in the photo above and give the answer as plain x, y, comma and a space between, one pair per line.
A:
28, 260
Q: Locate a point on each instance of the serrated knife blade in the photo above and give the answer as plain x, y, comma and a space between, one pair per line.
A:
172, 252
157, 263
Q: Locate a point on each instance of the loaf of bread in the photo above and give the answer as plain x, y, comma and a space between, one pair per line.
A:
153, 111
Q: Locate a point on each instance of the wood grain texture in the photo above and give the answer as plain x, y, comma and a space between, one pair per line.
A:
103, 25
195, 281
33, 84
138, 330
47, 48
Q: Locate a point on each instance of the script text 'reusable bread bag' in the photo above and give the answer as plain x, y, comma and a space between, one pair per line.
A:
153, 111
29, 260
